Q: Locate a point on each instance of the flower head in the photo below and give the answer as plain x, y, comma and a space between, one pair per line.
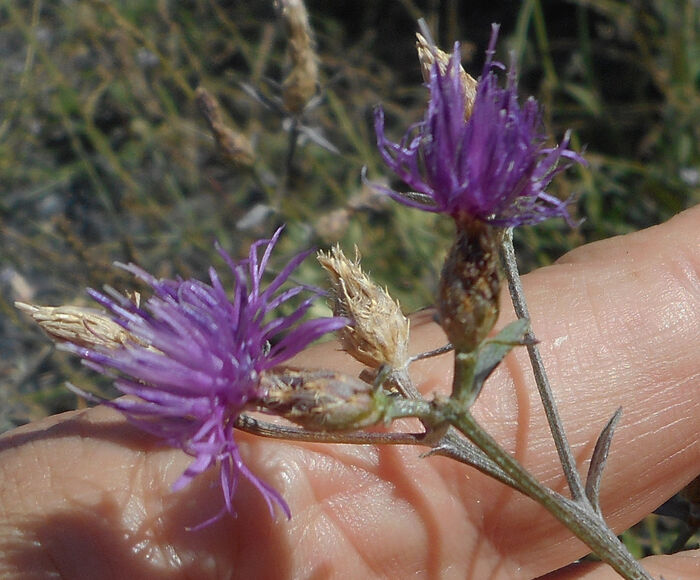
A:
492, 166
194, 359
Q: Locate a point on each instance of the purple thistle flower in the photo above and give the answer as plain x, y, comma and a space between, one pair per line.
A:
195, 358
493, 166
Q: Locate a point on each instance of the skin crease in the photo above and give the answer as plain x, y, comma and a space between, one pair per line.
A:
84, 495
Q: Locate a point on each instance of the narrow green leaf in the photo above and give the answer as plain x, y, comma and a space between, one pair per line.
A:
494, 350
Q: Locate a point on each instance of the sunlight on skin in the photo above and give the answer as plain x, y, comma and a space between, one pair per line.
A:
85, 495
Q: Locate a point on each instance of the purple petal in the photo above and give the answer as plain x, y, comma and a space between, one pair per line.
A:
196, 356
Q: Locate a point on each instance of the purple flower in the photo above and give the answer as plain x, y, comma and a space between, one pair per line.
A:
195, 357
493, 166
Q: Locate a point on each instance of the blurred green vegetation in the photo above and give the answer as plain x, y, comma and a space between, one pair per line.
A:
104, 154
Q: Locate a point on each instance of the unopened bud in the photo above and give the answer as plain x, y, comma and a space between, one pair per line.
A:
322, 400
429, 54
469, 285
301, 83
81, 326
379, 333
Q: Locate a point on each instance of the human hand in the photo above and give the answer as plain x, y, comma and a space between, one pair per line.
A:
86, 495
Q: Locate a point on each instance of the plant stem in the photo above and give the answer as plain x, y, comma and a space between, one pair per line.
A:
450, 443
272, 430
573, 478
577, 516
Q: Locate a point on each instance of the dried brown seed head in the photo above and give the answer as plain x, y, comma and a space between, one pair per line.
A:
379, 335
232, 144
301, 83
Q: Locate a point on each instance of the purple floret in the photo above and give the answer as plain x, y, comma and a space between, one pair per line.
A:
196, 356
493, 166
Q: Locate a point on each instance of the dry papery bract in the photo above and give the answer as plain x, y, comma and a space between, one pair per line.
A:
428, 54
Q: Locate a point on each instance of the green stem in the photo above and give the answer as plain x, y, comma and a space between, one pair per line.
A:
450, 443
577, 516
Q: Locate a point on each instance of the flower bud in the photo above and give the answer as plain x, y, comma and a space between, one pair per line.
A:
322, 400
469, 285
379, 333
